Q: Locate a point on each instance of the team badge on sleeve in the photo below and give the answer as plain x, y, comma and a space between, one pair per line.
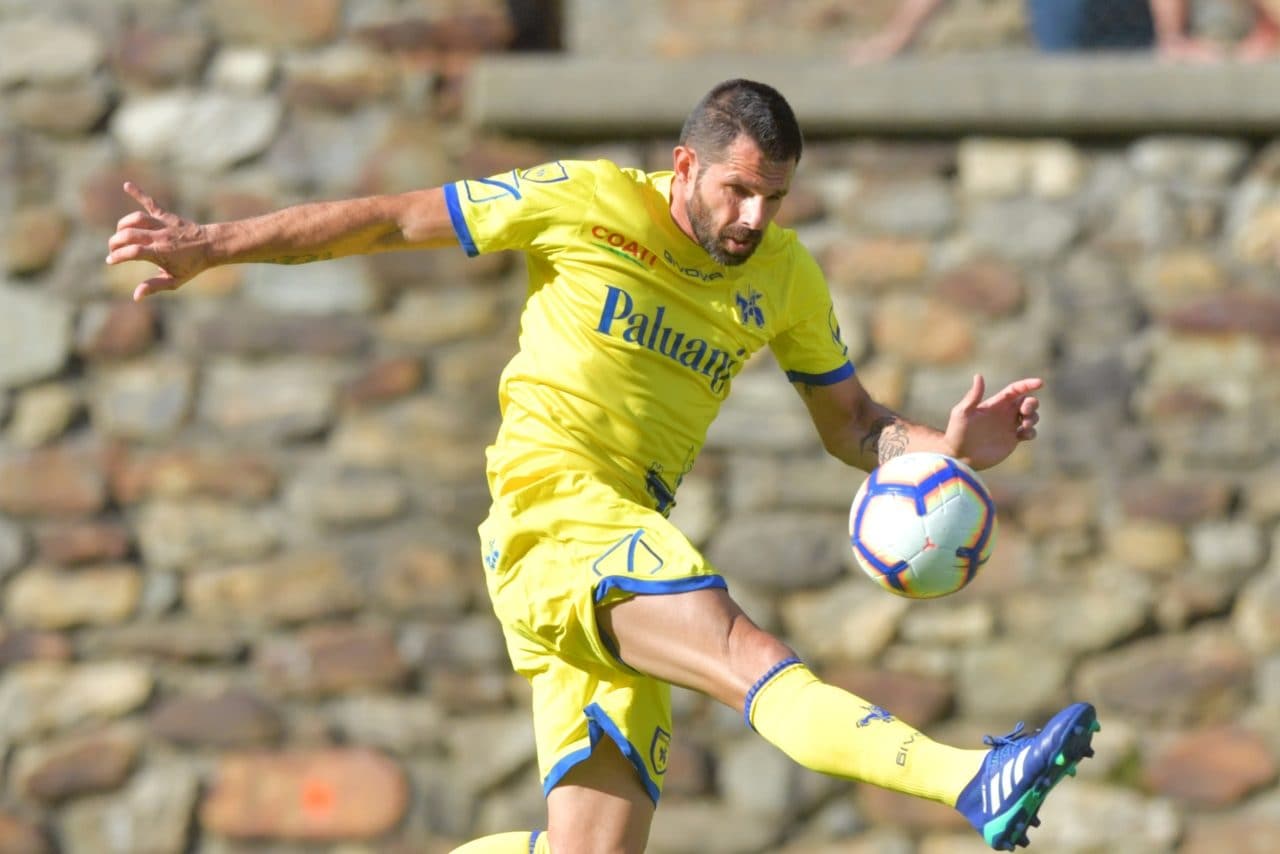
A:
507, 185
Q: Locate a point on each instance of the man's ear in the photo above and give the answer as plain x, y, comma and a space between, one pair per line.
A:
685, 163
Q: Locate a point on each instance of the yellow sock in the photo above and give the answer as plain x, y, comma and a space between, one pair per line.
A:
832, 731
520, 842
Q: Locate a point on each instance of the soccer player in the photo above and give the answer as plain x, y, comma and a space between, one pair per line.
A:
647, 293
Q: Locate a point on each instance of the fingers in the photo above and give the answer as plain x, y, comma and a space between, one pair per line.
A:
135, 229
129, 237
148, 204
1017, 392
1023, 386
973, 395
132, 242
125, 248
1028, 416
138, 219
154, 285
127, 252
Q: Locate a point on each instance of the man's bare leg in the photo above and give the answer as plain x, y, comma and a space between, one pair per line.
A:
702, 640
600, 807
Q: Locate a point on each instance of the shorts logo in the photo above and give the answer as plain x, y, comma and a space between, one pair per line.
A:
659, 749
630, 555
491, 554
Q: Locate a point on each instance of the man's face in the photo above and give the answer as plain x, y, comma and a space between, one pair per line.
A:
734, 199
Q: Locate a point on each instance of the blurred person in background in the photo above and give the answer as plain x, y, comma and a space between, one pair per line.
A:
647, 293
1083, 25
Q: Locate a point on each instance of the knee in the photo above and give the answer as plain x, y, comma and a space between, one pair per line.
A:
752, 650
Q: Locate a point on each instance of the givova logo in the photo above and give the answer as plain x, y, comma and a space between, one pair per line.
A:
618, 318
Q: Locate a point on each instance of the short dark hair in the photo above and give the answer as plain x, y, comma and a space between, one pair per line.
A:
737, 107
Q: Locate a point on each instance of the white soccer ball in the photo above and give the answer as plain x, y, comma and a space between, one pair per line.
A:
922, 525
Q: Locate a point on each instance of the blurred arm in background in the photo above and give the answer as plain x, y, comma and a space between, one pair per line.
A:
1059, 25
316, 231
1263, 41
904, 26
1174, 39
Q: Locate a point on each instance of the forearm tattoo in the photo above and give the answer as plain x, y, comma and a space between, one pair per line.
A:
886, 439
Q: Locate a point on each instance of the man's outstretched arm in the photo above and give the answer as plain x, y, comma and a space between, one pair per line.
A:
315, 231
981, 432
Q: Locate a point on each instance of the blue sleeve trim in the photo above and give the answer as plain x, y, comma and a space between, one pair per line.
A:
646, 587
533, 840
829, 378
600, 724
761, 682
459, 221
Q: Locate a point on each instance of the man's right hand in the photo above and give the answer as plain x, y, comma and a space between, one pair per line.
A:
176, 245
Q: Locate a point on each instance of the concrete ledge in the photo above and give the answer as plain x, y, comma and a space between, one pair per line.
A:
1086, 94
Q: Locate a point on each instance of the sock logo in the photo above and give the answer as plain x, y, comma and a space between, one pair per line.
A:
874, 713
903, 749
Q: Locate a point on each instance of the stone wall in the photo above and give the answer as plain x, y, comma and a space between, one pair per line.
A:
242, 609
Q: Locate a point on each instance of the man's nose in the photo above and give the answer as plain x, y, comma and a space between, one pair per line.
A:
751, 213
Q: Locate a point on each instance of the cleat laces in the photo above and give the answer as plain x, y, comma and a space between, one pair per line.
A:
1005, 740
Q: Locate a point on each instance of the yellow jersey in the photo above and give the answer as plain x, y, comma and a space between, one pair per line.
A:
631, 333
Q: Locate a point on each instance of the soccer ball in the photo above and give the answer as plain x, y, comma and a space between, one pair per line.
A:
922, 525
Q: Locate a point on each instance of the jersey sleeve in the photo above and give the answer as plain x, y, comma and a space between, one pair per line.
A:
514, 209
810, 349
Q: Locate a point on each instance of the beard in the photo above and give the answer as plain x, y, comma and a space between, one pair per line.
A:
715, 243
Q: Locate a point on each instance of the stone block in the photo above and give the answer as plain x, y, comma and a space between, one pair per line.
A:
77, 765
1213, 768
328, 660
288, 589
46, 598
234, 718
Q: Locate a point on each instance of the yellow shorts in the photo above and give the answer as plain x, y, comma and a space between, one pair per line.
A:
553, 552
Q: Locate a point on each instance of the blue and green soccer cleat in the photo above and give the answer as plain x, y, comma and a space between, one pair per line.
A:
1002, 800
